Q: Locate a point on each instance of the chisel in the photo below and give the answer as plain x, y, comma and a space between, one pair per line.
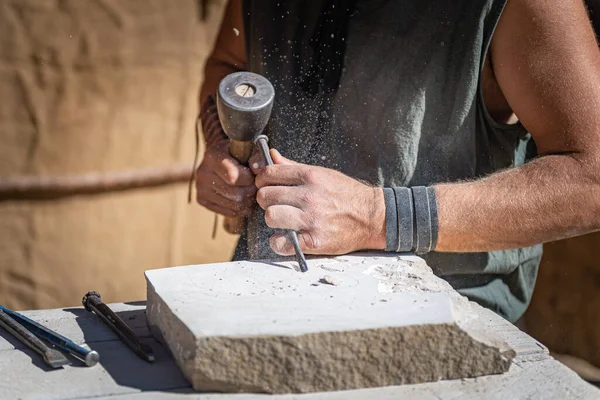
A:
53, 358
92, 302
88, 357
262, 142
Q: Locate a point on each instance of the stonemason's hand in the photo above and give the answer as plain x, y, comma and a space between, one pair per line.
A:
223, 185
332, 213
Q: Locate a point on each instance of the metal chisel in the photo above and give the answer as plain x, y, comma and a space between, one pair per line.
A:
52, 357
262, 142
92, 302
88, 357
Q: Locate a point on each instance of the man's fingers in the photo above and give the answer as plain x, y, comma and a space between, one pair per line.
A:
281, 243
233, 173
234, 193
210, 180
284, 217
286, 175
281, 195
222, 210
223, 185
257, 161
279, 159
207, 195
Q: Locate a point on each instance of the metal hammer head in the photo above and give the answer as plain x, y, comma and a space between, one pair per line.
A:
244, 102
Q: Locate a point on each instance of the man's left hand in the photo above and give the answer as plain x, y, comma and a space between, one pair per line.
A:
332, 213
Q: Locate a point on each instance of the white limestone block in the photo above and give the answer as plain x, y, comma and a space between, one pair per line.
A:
350, 322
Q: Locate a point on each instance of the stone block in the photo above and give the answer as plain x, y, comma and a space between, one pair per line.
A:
349, 322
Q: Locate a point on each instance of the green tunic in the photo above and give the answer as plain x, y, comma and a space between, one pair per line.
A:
408, 111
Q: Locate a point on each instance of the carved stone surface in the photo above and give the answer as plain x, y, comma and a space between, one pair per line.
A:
349, 322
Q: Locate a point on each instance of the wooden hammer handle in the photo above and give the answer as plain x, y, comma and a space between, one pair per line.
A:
241, 151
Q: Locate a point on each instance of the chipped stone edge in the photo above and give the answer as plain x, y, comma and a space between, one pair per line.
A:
467, 323
211, 375
157, 321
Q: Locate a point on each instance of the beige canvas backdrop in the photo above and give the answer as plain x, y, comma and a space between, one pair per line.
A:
98, 86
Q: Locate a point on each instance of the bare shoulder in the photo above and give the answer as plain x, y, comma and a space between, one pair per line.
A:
546, 63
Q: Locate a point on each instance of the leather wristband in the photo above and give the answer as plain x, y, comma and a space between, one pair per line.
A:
411, 219
422, 233
391, 220
405, 216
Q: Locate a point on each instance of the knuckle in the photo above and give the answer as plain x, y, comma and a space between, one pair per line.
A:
280, 244
270, 215
237, 195
229, 179
310, 241
263, 177
308, 199
310, 175
311, 223
230, 173
261, 196
268, 172
259, 182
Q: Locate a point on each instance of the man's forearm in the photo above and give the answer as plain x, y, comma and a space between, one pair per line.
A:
228, 56
550, 198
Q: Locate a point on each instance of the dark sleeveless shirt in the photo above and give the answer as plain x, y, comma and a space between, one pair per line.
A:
408, 111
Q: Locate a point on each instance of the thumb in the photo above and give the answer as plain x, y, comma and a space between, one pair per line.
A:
279, 159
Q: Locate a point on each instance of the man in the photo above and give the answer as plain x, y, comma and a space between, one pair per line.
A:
467, 131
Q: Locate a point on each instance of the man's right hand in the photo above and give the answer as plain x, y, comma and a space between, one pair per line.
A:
223, 185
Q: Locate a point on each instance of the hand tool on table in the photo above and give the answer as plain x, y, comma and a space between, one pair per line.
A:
52, 357
88, 357
244, 104
92, 302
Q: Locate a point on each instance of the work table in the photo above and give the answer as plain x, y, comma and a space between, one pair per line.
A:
121, 375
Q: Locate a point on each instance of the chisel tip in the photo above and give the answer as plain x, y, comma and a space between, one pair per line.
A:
299, 254
303, 266
301, 261
55, 359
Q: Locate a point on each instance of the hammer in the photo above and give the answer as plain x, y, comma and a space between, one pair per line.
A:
244, 104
